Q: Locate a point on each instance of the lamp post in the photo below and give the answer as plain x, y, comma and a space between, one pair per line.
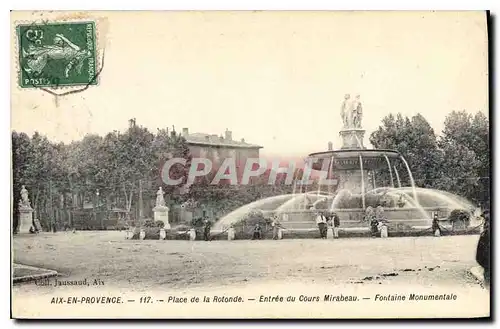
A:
97, 206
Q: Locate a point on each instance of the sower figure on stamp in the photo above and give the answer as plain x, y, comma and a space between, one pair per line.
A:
62, 49
483, 249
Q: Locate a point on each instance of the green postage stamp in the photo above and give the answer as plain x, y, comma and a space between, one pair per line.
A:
57, 54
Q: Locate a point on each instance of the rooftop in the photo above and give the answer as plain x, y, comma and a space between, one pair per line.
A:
216, 140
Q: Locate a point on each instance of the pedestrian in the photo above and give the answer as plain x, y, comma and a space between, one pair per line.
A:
483, 249
436, 229
206, 230
336, 225
321, 222
275, 224
374, 226
257, 232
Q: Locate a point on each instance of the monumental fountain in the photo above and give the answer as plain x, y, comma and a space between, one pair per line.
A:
367, 181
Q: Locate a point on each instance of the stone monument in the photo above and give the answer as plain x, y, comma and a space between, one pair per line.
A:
329, 232
352, 133
280, 233
160, 210
231, 233
163, 234
192, 234
25, 224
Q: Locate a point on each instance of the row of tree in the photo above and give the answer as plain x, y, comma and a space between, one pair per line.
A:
123, 169
457, 160
106, 171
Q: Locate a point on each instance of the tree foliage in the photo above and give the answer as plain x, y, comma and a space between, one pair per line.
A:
107, 171
457, 161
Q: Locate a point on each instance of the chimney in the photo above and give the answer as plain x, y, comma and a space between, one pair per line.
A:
330, 146
185, 132
229, 135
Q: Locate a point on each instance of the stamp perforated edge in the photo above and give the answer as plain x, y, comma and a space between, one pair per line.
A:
99, 43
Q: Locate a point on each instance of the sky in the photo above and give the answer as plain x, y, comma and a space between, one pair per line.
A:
276, 79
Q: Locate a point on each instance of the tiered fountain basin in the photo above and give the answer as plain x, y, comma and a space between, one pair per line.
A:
299, 221
406, 209
349, 159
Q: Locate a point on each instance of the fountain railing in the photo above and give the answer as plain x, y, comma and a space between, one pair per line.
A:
351, 210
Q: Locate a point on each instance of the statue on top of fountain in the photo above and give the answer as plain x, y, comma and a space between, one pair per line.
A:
351, 112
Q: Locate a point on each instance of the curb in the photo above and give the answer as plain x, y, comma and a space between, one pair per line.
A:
477, 273
25, 278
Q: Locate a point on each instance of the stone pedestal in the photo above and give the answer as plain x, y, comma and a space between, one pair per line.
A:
161, 213
352, 138
230, 234
280, 233
142, 234
350, 180
192, 234
384, 232
163, 234
437, 233
329, 233
25, 219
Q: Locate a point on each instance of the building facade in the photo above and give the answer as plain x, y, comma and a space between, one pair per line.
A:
219, 148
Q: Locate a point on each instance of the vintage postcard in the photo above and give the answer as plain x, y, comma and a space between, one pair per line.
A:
250, 164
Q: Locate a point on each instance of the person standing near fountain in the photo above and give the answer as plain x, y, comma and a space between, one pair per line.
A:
483, 249
276, 226
206, 229
436, 229
321, 221
374, 225
336, 225
257, 232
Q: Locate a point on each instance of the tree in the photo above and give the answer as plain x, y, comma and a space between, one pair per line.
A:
416, 141
460, 167
20, 154
465, 140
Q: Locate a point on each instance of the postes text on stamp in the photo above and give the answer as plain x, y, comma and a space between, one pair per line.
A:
57, 54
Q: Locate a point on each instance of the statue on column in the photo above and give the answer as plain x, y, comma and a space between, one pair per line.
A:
160, 201
344, 111
25, 201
